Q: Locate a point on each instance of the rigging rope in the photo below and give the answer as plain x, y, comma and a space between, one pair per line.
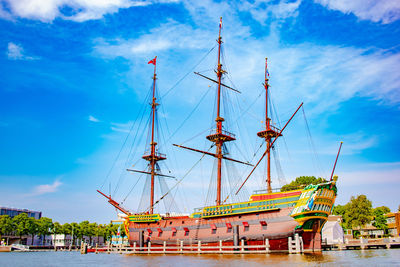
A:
177, 182
316, 160
191, 70
123, 144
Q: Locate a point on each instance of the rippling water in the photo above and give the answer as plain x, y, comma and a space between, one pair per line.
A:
383, 257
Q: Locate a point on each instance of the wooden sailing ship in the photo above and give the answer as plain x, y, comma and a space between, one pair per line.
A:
275, 216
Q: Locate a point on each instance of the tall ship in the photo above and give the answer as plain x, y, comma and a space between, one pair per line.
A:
275, 216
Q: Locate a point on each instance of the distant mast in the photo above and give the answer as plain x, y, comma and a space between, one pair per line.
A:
270, 132
154, 156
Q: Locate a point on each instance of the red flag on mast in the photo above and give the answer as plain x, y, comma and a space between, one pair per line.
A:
153, 61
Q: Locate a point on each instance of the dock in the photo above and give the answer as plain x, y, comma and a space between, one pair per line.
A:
363, 243
295, 247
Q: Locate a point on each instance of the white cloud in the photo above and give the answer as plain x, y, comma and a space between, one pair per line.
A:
121, 127
16, 52
170, 35
82, 10
46, 188
261, 10
384, 11
93, 119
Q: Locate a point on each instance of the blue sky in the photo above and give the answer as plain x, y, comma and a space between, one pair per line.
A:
74, 77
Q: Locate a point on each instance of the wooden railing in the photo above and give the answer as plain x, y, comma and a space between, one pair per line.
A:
198, 248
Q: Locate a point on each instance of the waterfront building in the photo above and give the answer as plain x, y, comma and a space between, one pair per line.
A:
12, 212
62, 240
393, 223
332, 232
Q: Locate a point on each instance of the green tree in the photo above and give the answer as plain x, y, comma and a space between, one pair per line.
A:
45, 225
341, 210
32, 228
6, 225
358, 211
66, 229
75, 232
91, 231
84, 228
22, 224
380, 221
57, 228
384, 209
301, 182
111, 229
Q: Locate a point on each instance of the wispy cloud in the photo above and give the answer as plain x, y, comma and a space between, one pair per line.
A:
93, 119
47, 188
384, 11
261, 10
81, 10
16, 52
121, 127
170, 35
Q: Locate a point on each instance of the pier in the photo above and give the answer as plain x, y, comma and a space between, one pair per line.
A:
363, 243
295, 245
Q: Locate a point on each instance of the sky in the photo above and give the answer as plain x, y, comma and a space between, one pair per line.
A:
74, 85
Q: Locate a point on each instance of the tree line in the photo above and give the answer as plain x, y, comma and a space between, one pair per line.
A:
358, 212
22, 225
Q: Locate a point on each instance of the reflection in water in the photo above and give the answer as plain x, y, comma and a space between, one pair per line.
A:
380, 257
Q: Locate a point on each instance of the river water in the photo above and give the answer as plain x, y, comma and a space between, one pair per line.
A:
382, 257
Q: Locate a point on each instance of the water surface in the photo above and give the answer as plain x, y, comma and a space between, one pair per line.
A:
382, 257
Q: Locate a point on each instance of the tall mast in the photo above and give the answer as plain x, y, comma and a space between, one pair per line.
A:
270, 131
154, 156
220, 136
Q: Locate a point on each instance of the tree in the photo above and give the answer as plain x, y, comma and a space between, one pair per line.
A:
84, 228
32, 228
341, 210
44, 227
380, 221
301, 182
6, 225
383, 209
22, 224
57, 228
111, 229
75, 232
358, 211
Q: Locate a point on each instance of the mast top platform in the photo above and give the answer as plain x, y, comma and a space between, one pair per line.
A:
223, 136
272, 132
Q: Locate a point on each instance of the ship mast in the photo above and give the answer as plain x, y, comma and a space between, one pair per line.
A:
220, 136
154, 156
270, 132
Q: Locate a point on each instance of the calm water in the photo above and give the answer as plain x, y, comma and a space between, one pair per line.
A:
383, 257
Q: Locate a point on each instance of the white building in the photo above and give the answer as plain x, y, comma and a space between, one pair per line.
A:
332, 232
62, 240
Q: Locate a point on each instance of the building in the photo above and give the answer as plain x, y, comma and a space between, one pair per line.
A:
62, 240
393, 222
332, 232
12, 212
